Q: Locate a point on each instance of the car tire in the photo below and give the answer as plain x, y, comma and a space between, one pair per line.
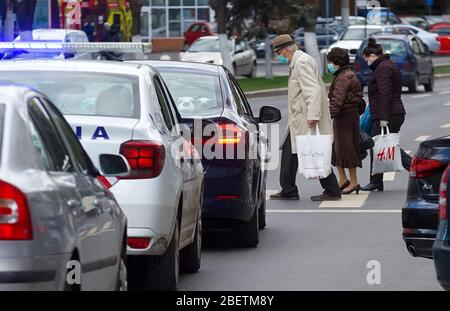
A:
429, 87
160, 273
122, 275
262, 223
412, 87
247, 234
191, 255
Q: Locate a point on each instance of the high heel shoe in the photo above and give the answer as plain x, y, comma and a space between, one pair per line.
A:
345, 185
357, 188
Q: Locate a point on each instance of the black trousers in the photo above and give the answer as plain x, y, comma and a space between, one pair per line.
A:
289, 168
395, 123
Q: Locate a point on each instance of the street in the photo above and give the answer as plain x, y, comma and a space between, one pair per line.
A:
307, 246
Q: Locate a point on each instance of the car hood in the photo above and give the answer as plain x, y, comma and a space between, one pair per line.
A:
347, 44
202, 57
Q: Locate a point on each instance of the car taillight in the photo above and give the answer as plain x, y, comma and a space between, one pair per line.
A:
443, 194
15, 222
423, 168
146, 158
357, 67
408, 66
138, 243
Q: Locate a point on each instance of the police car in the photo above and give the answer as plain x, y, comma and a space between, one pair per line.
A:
124, 108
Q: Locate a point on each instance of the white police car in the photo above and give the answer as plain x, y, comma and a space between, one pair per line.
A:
125, 108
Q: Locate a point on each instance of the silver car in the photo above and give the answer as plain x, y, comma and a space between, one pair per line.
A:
60, 229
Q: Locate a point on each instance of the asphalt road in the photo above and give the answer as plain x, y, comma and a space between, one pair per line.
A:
308, 246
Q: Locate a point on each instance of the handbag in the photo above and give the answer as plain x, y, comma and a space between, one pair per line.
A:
366, 142
314, 154
365, 121
387, 153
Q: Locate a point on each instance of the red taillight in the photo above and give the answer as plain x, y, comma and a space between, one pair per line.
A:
423, 168
146, 158
357, 67
15, 222
138, 243
408, 66
443, 195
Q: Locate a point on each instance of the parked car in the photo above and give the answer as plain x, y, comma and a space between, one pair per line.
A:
54, 208
209, 100
411, 56
352, 38
354, 20
416, 21
443, 31
441, 248
420, 213
207, 50
430, 39
50, 35
126, 109
325, 36
434, 19
382, 16
198, 30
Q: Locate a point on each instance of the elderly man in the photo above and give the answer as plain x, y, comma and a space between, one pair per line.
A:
308, 106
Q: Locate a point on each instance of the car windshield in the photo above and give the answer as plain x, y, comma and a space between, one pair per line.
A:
207, 45
391, 46
358, 33
194, 94
83, 93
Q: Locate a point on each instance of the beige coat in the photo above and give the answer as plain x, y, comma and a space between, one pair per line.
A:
307, 98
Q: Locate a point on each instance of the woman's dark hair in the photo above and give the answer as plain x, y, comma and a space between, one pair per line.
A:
338, 57
373, 48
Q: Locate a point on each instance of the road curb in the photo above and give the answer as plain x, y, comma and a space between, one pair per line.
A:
284, 91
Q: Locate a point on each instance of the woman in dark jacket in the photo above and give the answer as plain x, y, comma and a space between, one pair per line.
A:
385, 91
346, 104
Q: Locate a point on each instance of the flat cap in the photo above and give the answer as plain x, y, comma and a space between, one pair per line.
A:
281, 41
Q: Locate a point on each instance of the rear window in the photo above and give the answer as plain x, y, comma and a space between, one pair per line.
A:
84, 93
194, 94
358, 34
392, 47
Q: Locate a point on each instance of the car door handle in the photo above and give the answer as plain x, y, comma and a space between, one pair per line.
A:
74, 203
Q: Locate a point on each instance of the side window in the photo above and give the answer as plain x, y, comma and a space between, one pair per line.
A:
81, 159
40, 147
415, 46
47, 129
164, 104
235, 96
245, 106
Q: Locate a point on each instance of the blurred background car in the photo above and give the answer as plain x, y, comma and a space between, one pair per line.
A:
382, 16
441, 247
53, 205
434, 19
209, 98
409, 53
420, 213
416, 21
431, 40
353, 36
443, 32
207, 50
326, 35
51, 35
198, 30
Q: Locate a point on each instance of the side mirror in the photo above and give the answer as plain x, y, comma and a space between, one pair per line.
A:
269, 114
113, 165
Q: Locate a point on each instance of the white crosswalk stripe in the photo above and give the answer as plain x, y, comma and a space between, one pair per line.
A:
347, 201
421, 96
447, 104
389, 176
351, 211
422, 138
444, 93
446, 126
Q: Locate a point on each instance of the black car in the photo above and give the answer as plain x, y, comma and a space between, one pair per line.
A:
420, 214
441, 248
230, 142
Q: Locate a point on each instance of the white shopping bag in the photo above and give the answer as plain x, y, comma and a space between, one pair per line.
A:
386, 153
314, 154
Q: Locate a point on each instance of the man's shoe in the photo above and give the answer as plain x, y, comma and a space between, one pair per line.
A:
285, 196
326, 197
373, 187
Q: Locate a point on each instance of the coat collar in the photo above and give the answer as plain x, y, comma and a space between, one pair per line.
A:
296, 56
380, 59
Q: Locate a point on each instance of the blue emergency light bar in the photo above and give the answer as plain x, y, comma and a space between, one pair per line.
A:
94, 47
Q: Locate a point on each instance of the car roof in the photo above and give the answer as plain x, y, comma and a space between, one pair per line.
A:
71, 65
392, 36
366, 26
209, 38
54, 34
181, 66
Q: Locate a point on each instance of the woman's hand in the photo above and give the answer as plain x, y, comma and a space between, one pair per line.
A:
384, 123
312, 123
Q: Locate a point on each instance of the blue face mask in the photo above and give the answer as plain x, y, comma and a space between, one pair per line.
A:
283, 59
331, 68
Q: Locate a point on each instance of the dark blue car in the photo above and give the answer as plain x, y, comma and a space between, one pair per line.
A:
441, 249
411, 56
230, 142
420, 213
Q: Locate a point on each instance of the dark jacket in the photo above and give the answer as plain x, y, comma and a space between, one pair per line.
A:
346, 95
385, 89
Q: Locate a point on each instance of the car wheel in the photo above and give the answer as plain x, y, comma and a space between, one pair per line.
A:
412, 87
156, 272
190, 256
253, 72
429, 87
262, 213
247, 234
122, 277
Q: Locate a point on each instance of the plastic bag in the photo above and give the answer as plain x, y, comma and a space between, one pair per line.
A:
387, 153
